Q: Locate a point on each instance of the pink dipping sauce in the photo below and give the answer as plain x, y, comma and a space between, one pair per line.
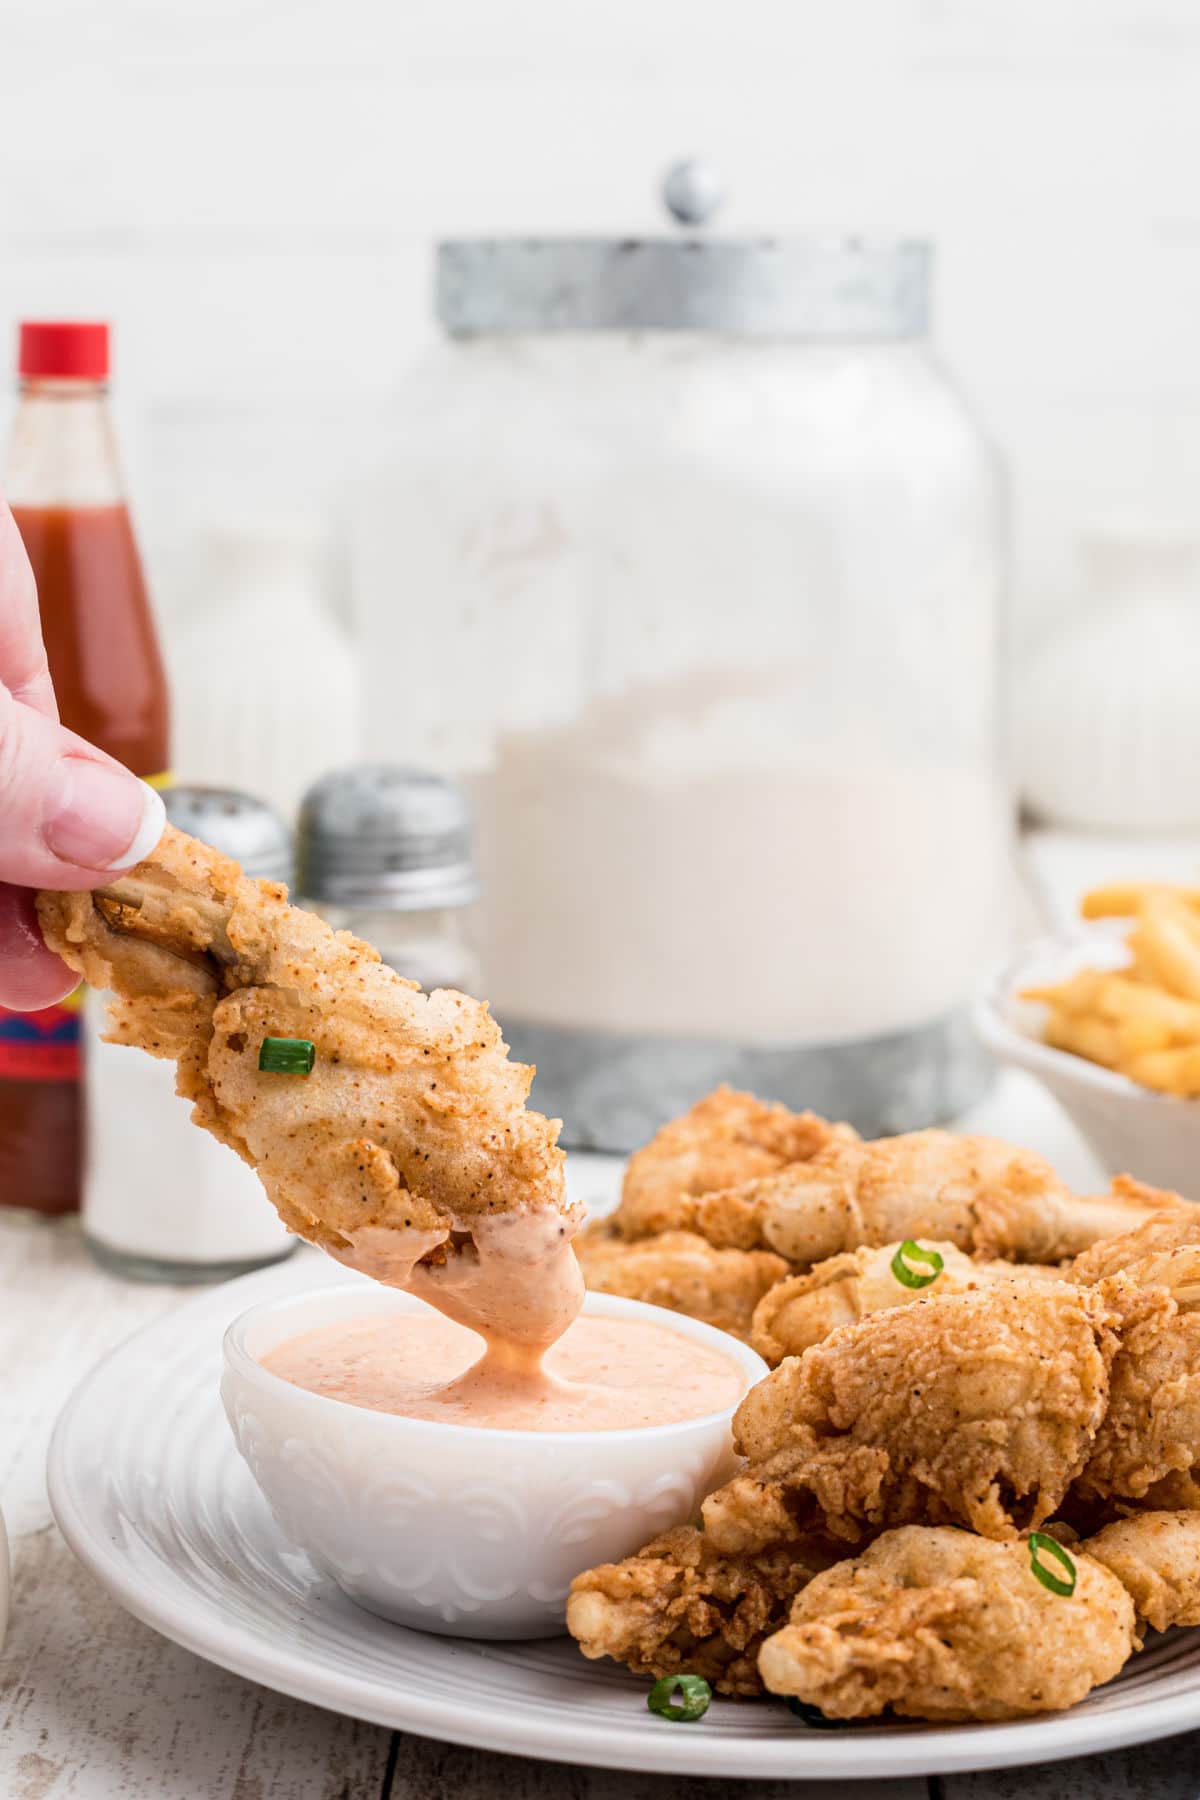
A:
601, 1375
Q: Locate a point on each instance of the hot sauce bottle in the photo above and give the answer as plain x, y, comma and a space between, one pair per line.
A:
62, 480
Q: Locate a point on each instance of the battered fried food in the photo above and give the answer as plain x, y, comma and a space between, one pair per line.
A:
408, 1143
977, 1193
1142, 1253
678, 1606
1150, 1434
726, 1138
1156, 1558
939, 1624
976, 1408
682, 1272
804, 1309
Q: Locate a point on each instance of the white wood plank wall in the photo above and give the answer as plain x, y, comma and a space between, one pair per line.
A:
249, 187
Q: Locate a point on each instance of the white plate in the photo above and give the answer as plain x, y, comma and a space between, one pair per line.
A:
151, 1494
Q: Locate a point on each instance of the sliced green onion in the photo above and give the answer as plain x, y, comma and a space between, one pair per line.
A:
916, 1253
287, 1056
1039, 1541
812, 1715
696, 1696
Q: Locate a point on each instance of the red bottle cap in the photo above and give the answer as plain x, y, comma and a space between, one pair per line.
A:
70, 350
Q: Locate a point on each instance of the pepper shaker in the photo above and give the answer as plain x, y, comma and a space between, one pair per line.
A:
385, 852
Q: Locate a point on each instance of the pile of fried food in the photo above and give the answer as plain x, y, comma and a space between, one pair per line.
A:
972, 1478
1142, 1019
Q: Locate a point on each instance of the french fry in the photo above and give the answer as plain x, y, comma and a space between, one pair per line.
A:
1079, 994
1125, 899
1169, 1071
1169, 947
1118, 998
1137, 1037
1095, 1039
1142, 1019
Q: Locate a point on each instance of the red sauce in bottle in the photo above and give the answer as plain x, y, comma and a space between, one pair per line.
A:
108, 677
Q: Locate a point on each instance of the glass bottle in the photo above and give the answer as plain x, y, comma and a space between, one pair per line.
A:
62, 479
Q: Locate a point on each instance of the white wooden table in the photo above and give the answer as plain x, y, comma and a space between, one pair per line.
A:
95, 1706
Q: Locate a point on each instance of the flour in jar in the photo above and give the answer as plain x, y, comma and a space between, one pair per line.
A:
714, 859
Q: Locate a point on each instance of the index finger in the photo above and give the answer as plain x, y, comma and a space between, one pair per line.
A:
23, 667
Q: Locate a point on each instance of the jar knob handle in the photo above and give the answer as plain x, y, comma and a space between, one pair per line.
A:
691, 191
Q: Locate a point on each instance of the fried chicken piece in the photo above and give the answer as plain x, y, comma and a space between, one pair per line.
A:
937, 1623
726, 1138
1156, 1558
682, 1272
409, 1140
1148, 1445
1142, 1252
977, 1193
976, 1408
804, 1309
679, 1607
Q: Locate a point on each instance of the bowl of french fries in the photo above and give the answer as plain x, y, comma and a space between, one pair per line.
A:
1108, 1019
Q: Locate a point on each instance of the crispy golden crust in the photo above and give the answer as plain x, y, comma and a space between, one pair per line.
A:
1156, 1558
682, 1272
1142, 1251
939, 1624
725, 1138
680, 1607
804, 1309
413, 1119
977, 1193
976, 1408
1149, 1440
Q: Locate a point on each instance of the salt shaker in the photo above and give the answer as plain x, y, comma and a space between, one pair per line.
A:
162, 1200
385, 852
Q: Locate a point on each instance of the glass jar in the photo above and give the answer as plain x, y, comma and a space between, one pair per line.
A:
702, 557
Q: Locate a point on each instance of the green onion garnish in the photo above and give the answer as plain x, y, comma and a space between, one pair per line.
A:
696, 1696
287, 1056
916, 1253
1038, 1540
812, 1715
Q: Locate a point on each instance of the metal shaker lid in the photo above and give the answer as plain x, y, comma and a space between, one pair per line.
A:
379, 835
835, 288
237, 825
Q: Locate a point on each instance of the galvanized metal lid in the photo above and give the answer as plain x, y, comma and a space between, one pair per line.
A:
847, 288
237, 825
378, 835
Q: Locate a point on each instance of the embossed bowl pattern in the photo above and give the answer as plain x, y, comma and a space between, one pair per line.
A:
451, 1528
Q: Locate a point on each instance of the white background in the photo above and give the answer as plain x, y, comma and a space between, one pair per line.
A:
249, 188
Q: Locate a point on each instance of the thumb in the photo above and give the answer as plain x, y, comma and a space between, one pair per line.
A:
69, 815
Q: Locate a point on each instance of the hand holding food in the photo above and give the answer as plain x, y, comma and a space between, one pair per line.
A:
937, 1385
387, 1125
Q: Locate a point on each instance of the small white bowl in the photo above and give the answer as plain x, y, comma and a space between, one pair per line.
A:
454, 1528
1132, 1129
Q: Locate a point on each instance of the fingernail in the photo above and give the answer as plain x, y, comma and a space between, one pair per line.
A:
100, 816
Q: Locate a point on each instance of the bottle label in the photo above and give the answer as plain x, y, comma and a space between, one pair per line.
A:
42, 1046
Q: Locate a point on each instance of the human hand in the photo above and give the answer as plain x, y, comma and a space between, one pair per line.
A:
70, 816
